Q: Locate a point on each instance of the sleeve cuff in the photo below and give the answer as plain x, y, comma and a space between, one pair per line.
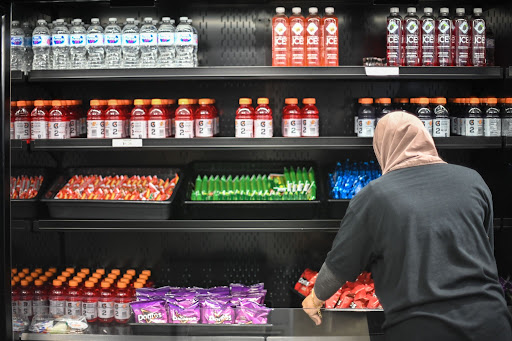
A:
326, 283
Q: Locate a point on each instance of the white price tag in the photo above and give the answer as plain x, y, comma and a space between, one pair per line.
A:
127, 143
381, 71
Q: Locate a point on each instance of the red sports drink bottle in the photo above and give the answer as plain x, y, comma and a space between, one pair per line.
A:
330, 38
57, 298
26, 297
313, 38
216, 119
444, 27
95, 120
298, 38
428, 38
184, 119
157, 120
412, 33
462, 34
74, 118
122, 303
292, 118
14, 107
40, 300
39, 121
244, 120
149, 281
478, 51
90, 297
263, 127
204, 119
22, 121
58, 121
15, 297
73, 299
170, 108
310, 118
106, 303
280, 38
138, 121
114, 120
394, 37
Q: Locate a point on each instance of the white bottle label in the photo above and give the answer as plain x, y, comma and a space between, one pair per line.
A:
185, 38
41, 40
204, 128
130, 39
14, 307
40, 307
73, 128
114, 129
428, 126
139, 129
492, 126
95, 129
95, 39
365, 127
38, 130
184, 129
58, 130
506, 127
122, 311
292, 127
244, 128
60, 40
17, 41
77, 40
22, 130
157, 129
474, 127
441, 127
57, 307
165, 38
25, 308
263, 128
105, 309
148, 39
73, 308
90, 310
112, 39
310, 127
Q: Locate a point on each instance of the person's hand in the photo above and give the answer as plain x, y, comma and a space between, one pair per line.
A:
312, 305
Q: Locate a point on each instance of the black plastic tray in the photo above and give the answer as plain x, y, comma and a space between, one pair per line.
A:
249, 209
29, 208
110, 209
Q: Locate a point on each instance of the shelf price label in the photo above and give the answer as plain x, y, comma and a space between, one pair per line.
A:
382, 71
127, 143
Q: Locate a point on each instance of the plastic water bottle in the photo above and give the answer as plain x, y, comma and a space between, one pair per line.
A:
148, 44
412, 38
60, 45
166, 47
130, 44
113, 41
77, 45
95, 45
29, 55
184, 44
41, 46
17, 47
195, 40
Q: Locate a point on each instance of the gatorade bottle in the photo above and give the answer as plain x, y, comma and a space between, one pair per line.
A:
292, 118
39, 121
138, 121
140, 280
462, 39
263, 127
356, 111
15, 297
428, 35
280, 38
382, 108
138, 285
54, 270
22, 121
492, 119
404, 104
310, 118
204, 119
90, 302
157, 120
148, 273
313, 38
73, 299
394, 37
215, 112
412, 38
74, 118
85, 271
113, 276
106, 303
425, 114
94, 280
26, 297
57, 299
95, 120
14, 107
413, 105
454, 110
478, 51
298, 38
244, 120
122, 303
474, 119
184, 119
444, 32
506, 121
114, 120
131, 272
441, 122
58, 121
170, 107
330, 38
366, 118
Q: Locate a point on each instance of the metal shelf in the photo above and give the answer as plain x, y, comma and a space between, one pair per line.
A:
19, 145
17, 76
507, 142
468, 142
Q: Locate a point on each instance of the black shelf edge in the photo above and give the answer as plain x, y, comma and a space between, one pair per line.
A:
21, 225
507, 141
19, 145
17, 76
468, 142
451, 72
509, 72
326, 225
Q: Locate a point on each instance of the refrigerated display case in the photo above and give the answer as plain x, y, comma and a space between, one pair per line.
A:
234, 61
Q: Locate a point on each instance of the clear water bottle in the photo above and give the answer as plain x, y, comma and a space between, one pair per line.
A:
41, 41
113, 41
77, 45
29, 55
184, 44
60, 45
130, 44
95, 47
148, 44
195, 40
166, 46
18, 50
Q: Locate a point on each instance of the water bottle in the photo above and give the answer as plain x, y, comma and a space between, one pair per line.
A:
95, 45
148, 44
41, 46
166, 46
130, 44
113, 40
184, 44
29, 55
195, 40
17, 47
77, 45
60, 45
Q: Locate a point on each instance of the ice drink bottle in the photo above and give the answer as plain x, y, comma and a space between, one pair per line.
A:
280, 38
444, 32
57, 299
244, 120
478, 46
292, 118
298, 38
157, 120
90, 302
310, 118
22, 121
428, 35
462, 33
26, 297
58, 121
138, 121
114, 120
492, 119
73, 299
412, 39
263, 127
474, 119
39, 121
122, 303
394, 37
425, 114
313, 38
95, 120
204, 119
441, 121
184, 119
106, 303
366, 118
330, 38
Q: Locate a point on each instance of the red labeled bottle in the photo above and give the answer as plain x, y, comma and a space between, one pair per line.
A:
139, 120
26, 298
157, 120
14, 107
444, 30
95, 120
462, 34
478, 28
15, 296
244, 119
412, 38
170, 108
394, 40
330, 38
122, 303
57, 298
73, 299
280, 38
90, 296
74, 118
313, 38
428, 38
94, 280
292, 118
39, 121
22, 121
310, 118
40, 300
114, 120
184, 118
106, 303
298, 38
58, 121
204, 119
263, 127
216, 118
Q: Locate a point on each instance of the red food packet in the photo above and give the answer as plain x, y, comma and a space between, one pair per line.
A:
333, 300
358, 304
361, 294
344, 302
373, 303
306, 282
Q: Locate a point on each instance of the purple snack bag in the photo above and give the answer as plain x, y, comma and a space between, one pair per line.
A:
214, 312
149, 311
180, 315
252, 313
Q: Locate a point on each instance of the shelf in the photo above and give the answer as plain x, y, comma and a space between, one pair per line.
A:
19, 145
507, 141
468, 142
17, 76
264, 72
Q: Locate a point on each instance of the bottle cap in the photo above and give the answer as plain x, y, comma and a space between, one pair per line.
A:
404, 100
109, 280
137, 285
141, 280
385, 100
423, 100
192, 101
89, 284
263, 100
73, 283
474, 100
48, 274
116, 272
291, 101
477, 11
78, 279
441, 100
247, 101
97, 275
366, 100
508, 100
43, 278
329, 10
94, 102
41, 22
54, 270
113, 276
309, 101
279, 10
70, 270
14, 271
394, 10
146, 272
428, 10
313, 10
484, 100
62, 278
156, 101
13, 283
93, 279
142, 276
172, 101
56, 103
21, 275
14, 103
125, 280
166, 18
204, 101
24, 283
411, 9
100, 271
66, 274
148, 19
444, 10
111, 102
492, 100
34, 274
29, 279
39, 103
147, 102
460, 11
183, 19
131, 272
21, 104
138, 102
128, 276
183, 101
296, 10
59, 21
95, 20
105, 284
16, 278
112, 20
213, 102
57, 282
121, 285
38, 282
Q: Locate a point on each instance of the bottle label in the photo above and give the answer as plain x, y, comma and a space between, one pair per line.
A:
105, 310
22, 130
77, 40
185, 38
365, 127
478, 45
130, 39
14, 307
95, 129
60, 40
114, 129
263, 128
95, 39
165, 38
73, 308
280, 45
297, 42
11, 126
428, 41
57, 307
441, 127
204, 127
473, 127
393, 42
148, 39
139, 129
58, 130
18, 41
41, 40
492, 126
292, 127
90, 310
310, 127
331, 42
40, 307
112, 39
412, 42
244, 128
428, 125
444, 42
356, 119
38, 130
25, 308
122, 311
184, 129
157, 129
312, 45
73, 128
506, 126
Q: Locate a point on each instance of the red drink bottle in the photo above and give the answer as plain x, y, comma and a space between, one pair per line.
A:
330, 38
263, 127
39, 121
74, 118
73, 299
157, 120
310, 118
428, 38
138, 121
58, 121
149, 281
444, 32
280, 38
204, 119
244, 120
394, 37
106, 303
121, 303
412, 32
90, 298
57, 298
478, 51
15, 296
114, 120
26, 297
40, 300
14, 107
313, 38
298, 38
292, 118
216, 118
95, 120
184, 119
462, 34
22, 121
